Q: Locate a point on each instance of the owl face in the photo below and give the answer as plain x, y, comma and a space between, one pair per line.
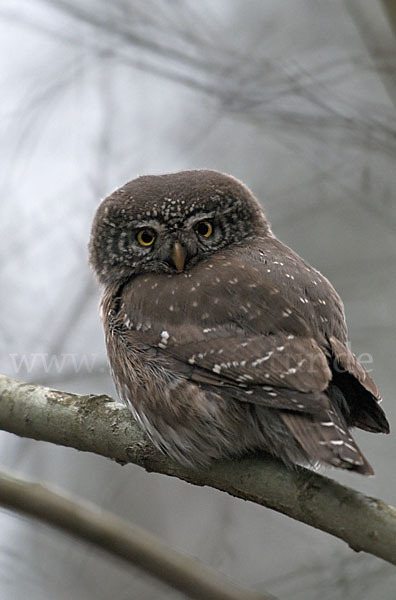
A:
167, 223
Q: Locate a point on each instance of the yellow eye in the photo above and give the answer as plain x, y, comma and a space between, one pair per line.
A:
204, 228
145, 237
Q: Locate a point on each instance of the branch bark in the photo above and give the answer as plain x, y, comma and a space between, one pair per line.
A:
100, 425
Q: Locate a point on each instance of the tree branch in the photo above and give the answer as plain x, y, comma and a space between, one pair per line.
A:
88, 522
100, 425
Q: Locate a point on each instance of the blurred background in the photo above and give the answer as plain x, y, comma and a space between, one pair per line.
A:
297, 99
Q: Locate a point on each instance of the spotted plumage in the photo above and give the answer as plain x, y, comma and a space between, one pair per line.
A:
221, 339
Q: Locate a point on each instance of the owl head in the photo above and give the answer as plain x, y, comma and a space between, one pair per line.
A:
167, 223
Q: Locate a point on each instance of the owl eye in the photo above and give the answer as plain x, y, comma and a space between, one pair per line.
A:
204, 228
145, 237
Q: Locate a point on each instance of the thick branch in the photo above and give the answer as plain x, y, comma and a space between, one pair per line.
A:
98, 424
116, 536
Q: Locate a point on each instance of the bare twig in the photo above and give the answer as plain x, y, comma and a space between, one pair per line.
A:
379, 40
100, 425
88, 522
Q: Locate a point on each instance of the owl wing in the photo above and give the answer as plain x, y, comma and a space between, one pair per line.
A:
267, 356
282, 360
242, 321
255, 345
282, 370
279, 370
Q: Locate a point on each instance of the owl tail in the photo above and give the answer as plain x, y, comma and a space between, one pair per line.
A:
325, 437
360, 393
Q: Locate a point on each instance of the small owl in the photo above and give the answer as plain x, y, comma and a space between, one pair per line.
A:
222, 340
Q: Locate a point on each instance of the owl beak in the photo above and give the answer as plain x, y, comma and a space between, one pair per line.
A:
178, 256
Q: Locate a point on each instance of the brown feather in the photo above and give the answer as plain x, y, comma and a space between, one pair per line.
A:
325, 438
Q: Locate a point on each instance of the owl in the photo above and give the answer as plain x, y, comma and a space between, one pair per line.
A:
222, 341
